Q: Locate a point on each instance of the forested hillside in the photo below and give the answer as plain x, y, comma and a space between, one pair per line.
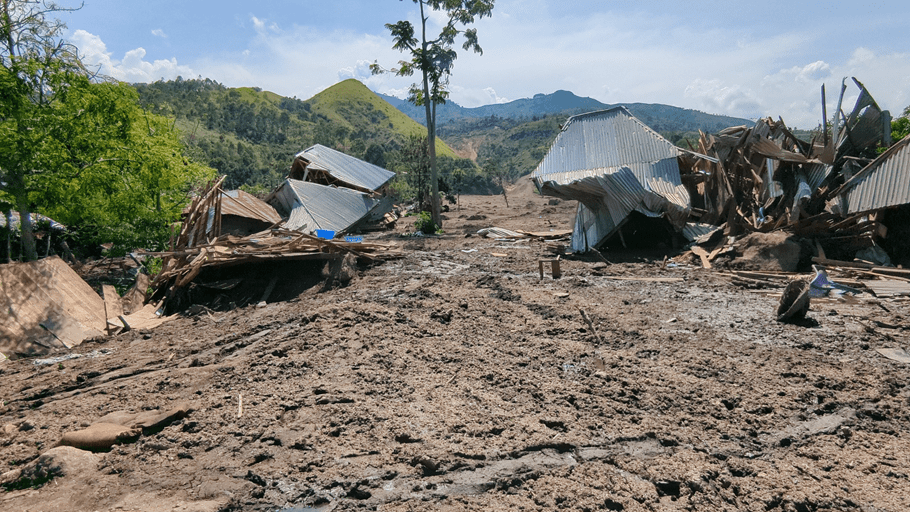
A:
661, 118
252, 135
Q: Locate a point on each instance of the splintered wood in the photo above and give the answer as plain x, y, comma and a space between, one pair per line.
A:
200, 244
763, 178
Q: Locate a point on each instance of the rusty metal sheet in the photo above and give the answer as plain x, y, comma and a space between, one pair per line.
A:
243, 204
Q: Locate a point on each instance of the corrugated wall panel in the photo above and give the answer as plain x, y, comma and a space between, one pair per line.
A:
883, 183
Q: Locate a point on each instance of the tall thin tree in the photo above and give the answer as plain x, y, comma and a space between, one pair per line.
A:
433, 59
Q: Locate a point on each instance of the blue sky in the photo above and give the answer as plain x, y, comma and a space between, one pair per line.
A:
746, 59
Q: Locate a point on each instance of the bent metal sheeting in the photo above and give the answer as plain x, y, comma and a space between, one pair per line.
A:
348, 170
310, 206
613, 164
883, 183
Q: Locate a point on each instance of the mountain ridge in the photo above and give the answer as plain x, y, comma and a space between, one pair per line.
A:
660, 117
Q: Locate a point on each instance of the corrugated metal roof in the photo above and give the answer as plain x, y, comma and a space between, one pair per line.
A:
699, 231
346, 168
321, 207
884, 182
242, 204
613, 164
36, 217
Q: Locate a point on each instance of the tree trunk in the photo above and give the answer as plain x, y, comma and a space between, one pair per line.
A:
431, 132
29, 250
9, 235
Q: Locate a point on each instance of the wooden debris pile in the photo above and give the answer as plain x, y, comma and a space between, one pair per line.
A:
764, 179
200, 244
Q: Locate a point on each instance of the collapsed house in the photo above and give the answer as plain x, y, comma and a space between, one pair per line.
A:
612, 164
326, 193
45, 305
739, 181
331, 191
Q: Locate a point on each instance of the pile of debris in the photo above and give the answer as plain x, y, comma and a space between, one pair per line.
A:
833, 190
45, 305
229, 228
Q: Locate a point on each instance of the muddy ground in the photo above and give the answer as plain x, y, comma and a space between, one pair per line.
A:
453, 380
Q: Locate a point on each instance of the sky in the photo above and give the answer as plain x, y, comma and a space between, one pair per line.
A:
744, 59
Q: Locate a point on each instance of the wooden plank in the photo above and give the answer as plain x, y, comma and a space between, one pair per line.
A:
703, 254
865, 266
112, 301
895, 354
645, 279
136, 295
880, 274
888, 288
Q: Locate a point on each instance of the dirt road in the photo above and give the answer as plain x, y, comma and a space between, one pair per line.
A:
457, 379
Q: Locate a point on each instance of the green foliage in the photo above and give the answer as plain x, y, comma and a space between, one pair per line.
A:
92, 159
251, 136
85, 153
425, 224
900, 127
515, 145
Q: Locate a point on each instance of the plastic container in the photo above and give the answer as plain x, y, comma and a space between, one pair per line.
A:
325, 233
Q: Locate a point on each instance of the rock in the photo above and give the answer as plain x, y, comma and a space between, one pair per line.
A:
148, 421
100, 436
9, 430
769, 251
57, 462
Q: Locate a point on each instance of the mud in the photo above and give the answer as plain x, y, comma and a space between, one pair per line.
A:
453, 380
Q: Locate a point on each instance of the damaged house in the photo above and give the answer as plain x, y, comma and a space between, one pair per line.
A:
613, 165
329, 190
836, 189
326, 191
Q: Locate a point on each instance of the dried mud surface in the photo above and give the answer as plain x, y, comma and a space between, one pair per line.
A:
452, 380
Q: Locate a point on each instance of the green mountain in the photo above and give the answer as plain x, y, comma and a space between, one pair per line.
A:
661, 118
368, 117
252, 135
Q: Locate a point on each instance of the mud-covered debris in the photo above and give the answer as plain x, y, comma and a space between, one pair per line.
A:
794, 302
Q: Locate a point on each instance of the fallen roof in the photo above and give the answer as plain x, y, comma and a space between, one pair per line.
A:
311, 206
43, 305
613, 164
348, 170
242, 204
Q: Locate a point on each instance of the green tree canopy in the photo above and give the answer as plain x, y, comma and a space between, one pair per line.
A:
900, 127
81, 152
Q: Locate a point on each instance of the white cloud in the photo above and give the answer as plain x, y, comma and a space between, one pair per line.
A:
159, 33
132, 68
476, 97
629, 54
717, 97
304, 60
360, 71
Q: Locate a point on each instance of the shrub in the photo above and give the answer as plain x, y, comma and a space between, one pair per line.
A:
425, 223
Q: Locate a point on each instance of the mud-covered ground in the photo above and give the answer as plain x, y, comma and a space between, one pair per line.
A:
454, 380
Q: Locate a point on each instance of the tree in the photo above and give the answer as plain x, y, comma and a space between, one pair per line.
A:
900, 127
84, 151
433, 59
31, 54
